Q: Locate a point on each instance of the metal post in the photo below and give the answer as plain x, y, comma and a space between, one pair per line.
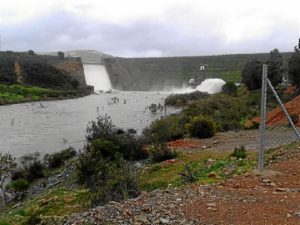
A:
283, 109
263, 117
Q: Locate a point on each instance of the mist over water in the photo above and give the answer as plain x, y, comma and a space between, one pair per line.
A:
96, 75
211, 86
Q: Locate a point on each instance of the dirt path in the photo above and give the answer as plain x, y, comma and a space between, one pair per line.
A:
271, 198
229, 140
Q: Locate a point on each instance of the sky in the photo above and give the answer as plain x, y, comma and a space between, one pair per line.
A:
150, 28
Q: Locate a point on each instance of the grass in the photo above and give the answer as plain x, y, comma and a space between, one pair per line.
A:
57, 203
15, 93
163, 175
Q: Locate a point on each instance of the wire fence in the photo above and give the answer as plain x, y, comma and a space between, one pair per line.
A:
277, 125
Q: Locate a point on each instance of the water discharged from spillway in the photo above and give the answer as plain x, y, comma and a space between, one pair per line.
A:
97, 76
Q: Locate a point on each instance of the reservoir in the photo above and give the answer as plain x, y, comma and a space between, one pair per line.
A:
51, 126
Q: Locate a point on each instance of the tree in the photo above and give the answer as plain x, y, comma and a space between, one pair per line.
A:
61, 55
31, 52
251, 75
275, 67
7, 163
294, 67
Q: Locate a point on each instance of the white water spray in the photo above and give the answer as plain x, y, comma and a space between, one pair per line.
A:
97, 76
211, 86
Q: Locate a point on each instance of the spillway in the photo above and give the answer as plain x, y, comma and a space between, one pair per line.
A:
97, 76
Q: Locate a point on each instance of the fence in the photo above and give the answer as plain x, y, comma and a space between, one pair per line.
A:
276, 125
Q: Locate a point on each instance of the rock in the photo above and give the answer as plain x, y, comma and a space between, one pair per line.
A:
212, 175
297, 214
211, 204
164, 221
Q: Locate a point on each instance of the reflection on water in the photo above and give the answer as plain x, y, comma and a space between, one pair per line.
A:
51, 126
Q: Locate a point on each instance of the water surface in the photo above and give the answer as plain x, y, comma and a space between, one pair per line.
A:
50, 126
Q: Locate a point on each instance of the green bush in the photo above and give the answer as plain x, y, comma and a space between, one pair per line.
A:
202, 127
161, 152
104, 148
239, 153
127, 143
57, 159
166, 129
33, 220
229, 88
19, 185
31, 168
184, 99
107, 178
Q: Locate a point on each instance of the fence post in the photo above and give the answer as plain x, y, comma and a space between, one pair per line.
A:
262, 127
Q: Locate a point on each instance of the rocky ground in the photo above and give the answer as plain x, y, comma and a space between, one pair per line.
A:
269, 197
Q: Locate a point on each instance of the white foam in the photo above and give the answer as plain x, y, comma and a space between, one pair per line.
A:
97, 76
211, 86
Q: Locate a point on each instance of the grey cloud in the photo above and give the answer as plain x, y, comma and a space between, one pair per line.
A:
65, 31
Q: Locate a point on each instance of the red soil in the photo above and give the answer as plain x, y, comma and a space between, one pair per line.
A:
276, 116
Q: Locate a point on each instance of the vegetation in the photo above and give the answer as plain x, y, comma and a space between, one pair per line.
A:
229, 88
7, 163
58, 159
202, 127
239, 153
294, 66
251, 75
184, 99
161, 152
16, 93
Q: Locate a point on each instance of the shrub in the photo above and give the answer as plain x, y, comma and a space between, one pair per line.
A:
31, 168
33, 220
239, 153
19, 185
202, 127
161, 152
57, 159
166, 129
184, 99
127, 143
187, 175
106, 178
229, 88
104, 148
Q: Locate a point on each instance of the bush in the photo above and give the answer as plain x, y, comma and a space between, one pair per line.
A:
127, 143
202, 127
33, 220
229, 88
31, 168
166, 129
57, 159
107, 178
104, 148
161, 152
19, 185
239, 153
184, 99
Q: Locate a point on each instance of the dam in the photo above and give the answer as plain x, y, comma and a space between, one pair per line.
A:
96, 75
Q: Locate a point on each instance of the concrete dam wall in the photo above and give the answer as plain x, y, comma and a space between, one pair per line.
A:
147, 74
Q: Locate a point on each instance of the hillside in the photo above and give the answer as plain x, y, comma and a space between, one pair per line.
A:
166, 72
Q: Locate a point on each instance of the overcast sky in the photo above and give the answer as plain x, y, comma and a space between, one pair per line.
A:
140, 28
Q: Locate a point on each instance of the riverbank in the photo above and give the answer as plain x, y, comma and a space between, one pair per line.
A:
13, 94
